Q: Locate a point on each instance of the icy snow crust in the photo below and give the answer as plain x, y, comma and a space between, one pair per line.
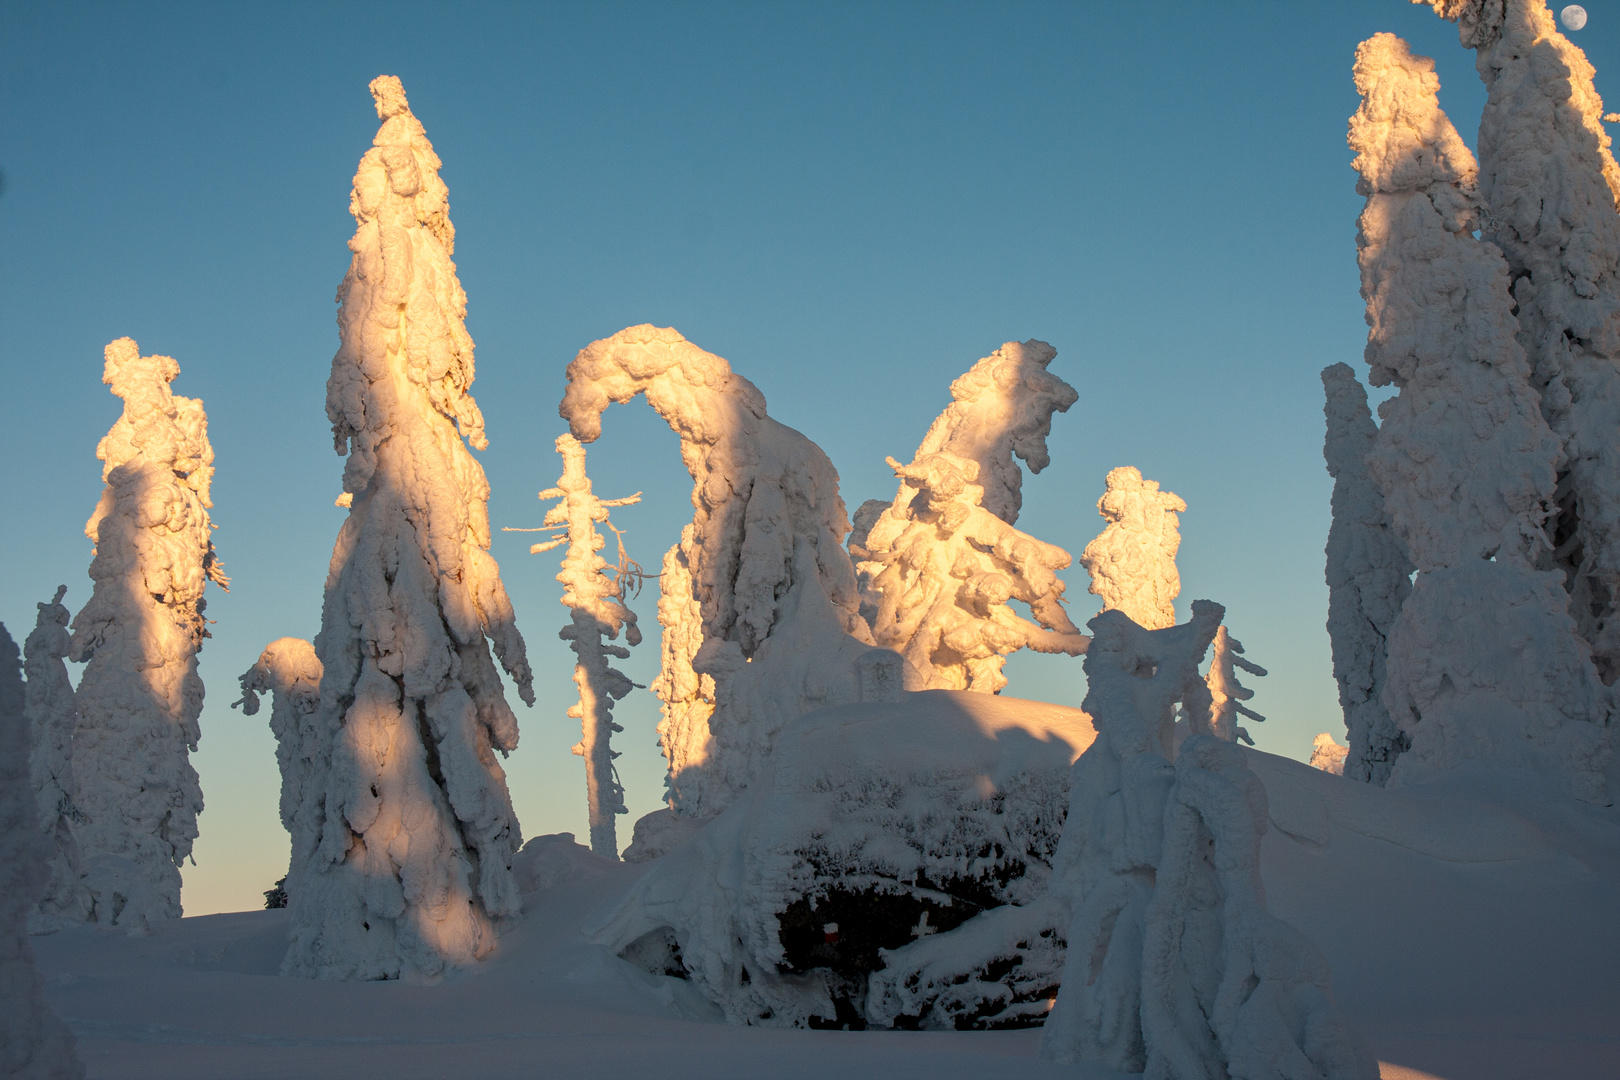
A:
909, 841
140, 696
411, 828
760, 616
52, 718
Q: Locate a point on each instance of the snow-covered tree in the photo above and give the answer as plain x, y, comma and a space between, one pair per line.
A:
758, 601
290, 672
1175, 967
1328, 755
34, 1042
140, 696
1368, 578
1550, 187
412, 869
1133, 563
596, 603
1484, 659
940, 563
1226, 693
52, 719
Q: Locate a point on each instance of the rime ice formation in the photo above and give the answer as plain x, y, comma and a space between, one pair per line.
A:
34, 1042
413, 866
290, 672
1227, 695
889, 867
758, 601
939, 564
1484, 660
52, 718
140, 696
1174, 965
1368, 578
596, 602
1133, 563
1328, 755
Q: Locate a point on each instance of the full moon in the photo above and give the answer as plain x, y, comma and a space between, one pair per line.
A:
1573, 17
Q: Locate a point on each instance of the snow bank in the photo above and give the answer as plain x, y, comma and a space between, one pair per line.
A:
140, 696
34, 1043
412, 869
48, 703
290, 672
939, 564
1133, 563
930, 820
758, 602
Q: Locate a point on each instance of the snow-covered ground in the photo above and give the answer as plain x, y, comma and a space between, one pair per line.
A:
1471, 926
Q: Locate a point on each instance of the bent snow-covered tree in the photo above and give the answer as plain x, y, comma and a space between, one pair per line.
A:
1484, 660
596, 603
140, 697
1368, 578
412, 868
52, 719
1133, 562
1551, 187
940, 563
758, 601
290, 672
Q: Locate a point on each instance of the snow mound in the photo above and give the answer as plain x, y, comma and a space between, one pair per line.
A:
554, 860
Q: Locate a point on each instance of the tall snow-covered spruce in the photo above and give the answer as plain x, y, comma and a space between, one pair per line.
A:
52, 719
1485, 663
290, 672
140, 697
1368, 578
412, 868
1133, 562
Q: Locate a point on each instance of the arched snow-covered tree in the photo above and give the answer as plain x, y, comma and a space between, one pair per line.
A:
34, 1042
412, 869
52, 718
1133, 563
758, 601
1484, 661
140, 696
289, 670
940, 563
1369, 577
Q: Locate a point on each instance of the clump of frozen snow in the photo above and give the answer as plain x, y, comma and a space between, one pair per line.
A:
34, 1042
939, 564
758, 603
1369, 577
48, 702
596, 602
140, 696
1133, 563
1328, 755
290, 672
412, 868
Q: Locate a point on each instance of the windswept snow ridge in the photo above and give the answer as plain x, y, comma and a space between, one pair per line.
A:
412, 869
1133, 563
140, 696
290, 672
52, 718
758, 600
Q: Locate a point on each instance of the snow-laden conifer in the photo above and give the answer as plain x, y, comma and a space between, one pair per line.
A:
1226, 693
1484, 660
413, 866
34, 1042
597, 608
140, 697
1368, 578
940, 563
758, 603
290, 672
1133, 562
1550, 187
52, 719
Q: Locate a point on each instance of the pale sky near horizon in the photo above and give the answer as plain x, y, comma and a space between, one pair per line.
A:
850, 202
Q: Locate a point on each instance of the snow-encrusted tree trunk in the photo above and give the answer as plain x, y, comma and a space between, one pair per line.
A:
1175, 968
1133, 562
34, 1042
1226, 693
939, 564
140, 697
1369, 577
52, 718
290, 672
1550, 187
596, 603
758, 601
1484, 660
412, 869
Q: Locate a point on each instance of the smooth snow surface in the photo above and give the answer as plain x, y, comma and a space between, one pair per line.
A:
52, 718
140, 696
411, 830
1133, 563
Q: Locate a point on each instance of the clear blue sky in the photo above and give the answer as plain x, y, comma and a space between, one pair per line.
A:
851, 202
